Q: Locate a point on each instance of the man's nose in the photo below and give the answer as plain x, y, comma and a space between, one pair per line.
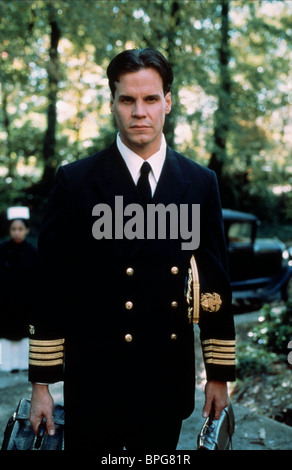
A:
139, 109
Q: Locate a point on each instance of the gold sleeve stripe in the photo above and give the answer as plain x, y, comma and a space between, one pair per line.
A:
46, 352
223, 342
219, 351
217, 348
46, 356
220, 362
216, 354
53, 342
46, 363
46, 349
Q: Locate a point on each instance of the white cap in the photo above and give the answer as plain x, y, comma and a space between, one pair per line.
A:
18, 212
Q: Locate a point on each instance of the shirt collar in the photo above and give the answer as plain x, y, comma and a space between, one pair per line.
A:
134, 161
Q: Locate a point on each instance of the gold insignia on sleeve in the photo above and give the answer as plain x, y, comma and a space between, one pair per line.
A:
31, 329
211, 302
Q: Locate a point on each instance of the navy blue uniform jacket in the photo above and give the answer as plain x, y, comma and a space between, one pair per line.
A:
123, 334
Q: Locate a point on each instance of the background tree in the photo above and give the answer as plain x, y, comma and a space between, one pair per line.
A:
53, 71
232, 93
222, 113
14, 60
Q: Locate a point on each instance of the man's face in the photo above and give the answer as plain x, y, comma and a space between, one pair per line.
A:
139, 107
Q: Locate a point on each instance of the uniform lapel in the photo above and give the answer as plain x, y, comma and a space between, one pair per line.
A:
116, 180
172, 183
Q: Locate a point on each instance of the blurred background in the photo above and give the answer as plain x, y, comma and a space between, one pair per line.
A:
232, 112
232, 93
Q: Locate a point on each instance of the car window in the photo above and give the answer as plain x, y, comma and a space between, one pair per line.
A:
240, 232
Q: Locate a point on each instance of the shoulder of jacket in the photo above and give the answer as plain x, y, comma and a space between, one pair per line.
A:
84, 164
84, 168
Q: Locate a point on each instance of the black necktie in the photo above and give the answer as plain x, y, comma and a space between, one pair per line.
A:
143, 184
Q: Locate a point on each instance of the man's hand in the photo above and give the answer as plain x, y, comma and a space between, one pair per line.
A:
42, 406
216, 398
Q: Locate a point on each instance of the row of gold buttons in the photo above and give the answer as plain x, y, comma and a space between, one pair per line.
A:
129, 305
174, 270
129, 337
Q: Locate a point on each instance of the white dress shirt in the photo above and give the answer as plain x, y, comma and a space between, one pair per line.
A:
134, 162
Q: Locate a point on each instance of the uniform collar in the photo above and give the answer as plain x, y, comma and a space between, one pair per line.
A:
134, 161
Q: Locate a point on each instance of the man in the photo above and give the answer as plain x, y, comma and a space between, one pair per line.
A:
116, 305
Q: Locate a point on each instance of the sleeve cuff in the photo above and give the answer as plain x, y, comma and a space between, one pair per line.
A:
219, 359
46, 360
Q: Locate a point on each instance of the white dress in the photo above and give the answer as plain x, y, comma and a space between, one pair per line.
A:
13, 354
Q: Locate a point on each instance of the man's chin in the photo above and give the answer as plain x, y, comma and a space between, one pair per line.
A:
140, 142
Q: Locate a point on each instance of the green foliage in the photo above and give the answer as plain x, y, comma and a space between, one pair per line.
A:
14, 190
274, 330
27, 141
266, 343
246, 99
252, 361
286, 206
249, 191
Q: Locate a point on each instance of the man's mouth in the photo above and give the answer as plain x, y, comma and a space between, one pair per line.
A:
136, 126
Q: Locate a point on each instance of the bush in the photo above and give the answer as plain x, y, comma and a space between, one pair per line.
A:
268, 342
252, 360
274, 329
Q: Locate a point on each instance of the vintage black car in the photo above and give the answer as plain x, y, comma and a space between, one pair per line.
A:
260, 268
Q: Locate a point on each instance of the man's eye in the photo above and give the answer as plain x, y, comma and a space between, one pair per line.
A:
127, 100
151, 99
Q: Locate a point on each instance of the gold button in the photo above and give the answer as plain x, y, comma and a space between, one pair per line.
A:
174, 304
130, 271
173, 337
128, 338
129, 305
174, 270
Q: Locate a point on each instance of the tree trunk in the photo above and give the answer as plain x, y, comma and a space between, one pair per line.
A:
6, 121
171, 119
221, 124
49, 147
157, 37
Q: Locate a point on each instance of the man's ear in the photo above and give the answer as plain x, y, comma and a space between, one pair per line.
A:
168, 102
112, 104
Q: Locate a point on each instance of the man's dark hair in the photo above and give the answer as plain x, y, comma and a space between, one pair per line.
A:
133, 60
